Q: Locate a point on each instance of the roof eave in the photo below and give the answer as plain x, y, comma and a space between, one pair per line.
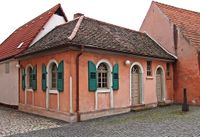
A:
74, 46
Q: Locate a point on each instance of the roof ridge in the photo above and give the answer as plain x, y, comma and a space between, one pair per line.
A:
76, 28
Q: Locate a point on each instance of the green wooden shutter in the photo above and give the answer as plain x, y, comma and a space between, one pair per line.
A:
116, 77
34, 78
92, 78
60, 80
44, 77
23, 79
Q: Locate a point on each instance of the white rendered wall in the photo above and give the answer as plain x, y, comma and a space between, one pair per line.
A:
9, 91
54, 21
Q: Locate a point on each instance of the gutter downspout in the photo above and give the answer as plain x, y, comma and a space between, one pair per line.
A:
77, 84
18, 84
71, 37
174, 81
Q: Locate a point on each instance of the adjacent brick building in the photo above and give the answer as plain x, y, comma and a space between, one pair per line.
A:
178, 31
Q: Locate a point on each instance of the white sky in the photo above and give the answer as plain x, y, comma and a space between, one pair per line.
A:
126, 13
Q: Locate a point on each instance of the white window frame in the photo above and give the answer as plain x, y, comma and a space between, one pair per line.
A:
109, 76
103, 84
142, 84
109, 90
53, 91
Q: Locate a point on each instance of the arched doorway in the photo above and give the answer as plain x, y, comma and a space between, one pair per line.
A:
136, 85
160, 84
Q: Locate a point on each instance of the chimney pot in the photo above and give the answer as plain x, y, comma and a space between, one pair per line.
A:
77, 15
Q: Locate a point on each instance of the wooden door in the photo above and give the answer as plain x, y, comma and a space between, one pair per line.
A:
135, 88
159, 86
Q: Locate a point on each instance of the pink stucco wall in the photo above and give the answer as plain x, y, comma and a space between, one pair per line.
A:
121, 97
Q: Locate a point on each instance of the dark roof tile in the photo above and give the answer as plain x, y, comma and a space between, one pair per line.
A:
97, 34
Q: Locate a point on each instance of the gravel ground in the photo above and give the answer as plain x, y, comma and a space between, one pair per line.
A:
14, 122
165, 121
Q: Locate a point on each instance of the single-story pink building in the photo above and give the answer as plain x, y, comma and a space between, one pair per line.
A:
87, 68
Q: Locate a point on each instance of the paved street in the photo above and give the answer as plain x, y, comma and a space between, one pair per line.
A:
165, 121
12, 122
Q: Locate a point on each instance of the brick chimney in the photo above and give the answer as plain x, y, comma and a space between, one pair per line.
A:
77, 15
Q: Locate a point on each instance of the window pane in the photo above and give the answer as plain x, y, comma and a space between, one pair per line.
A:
54, 76
102, 75
29, 77
149, 68
168, 69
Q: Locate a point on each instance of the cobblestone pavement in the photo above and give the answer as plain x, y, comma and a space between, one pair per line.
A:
13, 122
165, 121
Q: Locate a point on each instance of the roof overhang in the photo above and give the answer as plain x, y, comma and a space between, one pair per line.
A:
88, 48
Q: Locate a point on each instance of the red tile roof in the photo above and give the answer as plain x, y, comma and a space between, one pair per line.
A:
187, 21
26, 34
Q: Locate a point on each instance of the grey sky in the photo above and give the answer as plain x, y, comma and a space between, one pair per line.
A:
126, 13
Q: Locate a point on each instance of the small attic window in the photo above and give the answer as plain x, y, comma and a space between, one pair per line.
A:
20, 45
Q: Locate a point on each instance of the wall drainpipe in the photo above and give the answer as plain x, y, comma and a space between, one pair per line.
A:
19, 83
77, 83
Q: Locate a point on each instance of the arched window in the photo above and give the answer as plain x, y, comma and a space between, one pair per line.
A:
29, 77
102, 75
53, 76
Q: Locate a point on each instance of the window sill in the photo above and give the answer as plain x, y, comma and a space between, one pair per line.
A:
103, 90
53, 91
29, 89
149, 77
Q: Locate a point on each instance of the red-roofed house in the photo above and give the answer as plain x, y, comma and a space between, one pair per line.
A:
20, 40
178, 30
